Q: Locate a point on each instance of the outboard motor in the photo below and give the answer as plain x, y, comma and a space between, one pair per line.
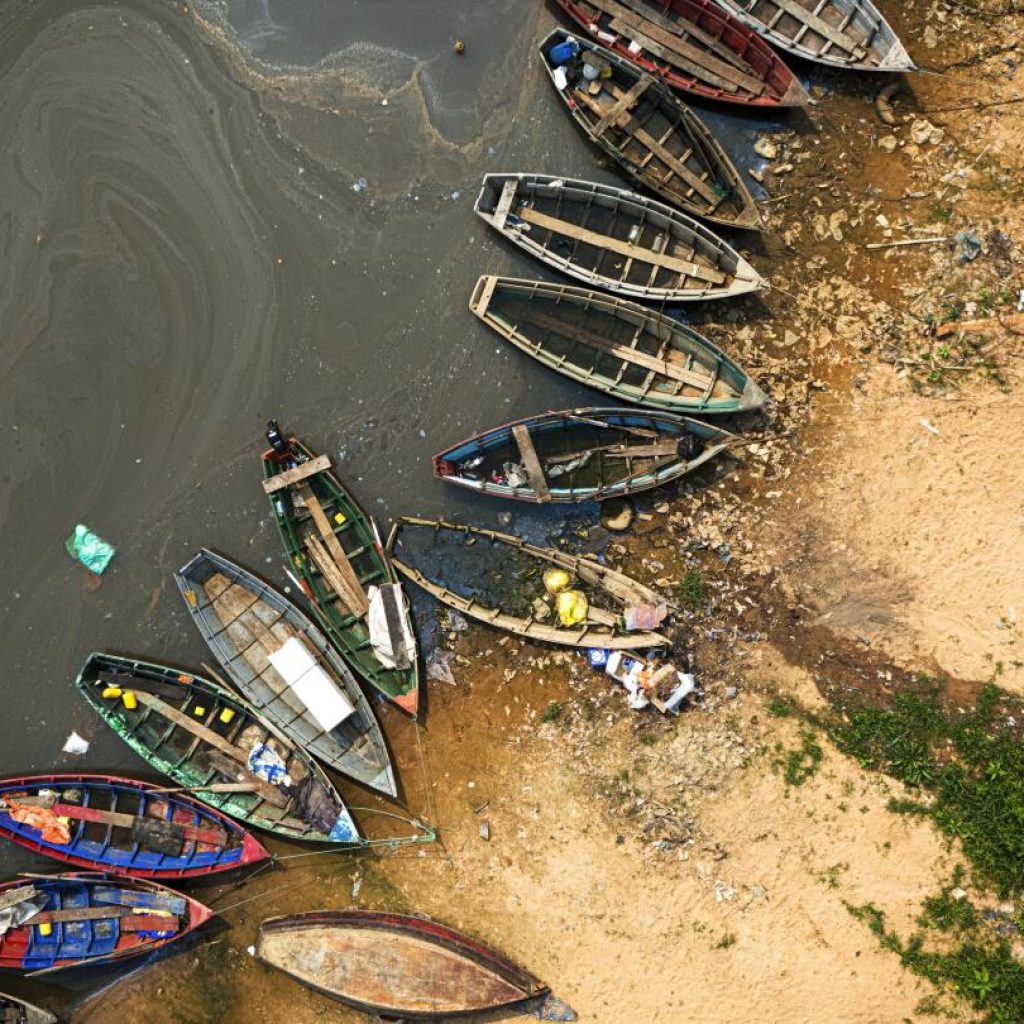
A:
276, 439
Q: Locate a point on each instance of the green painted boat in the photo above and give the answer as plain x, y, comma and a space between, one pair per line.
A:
291, 473
207, 740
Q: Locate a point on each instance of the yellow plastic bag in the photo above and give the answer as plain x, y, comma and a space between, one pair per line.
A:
556, 580
572, 607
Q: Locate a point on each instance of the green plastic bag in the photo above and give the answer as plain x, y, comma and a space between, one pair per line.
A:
95, 554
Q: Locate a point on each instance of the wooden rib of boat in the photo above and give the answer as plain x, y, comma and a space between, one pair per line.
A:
333, 547
580, 455
215, 745
614, 239
654, 137
17, 1011
842, 33
399, 966
247, 624
86, 919
601, 628
693, 45
124, 825
618, 347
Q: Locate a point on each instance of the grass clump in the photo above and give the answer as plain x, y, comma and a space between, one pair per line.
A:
552, 712
781, 707
971, 763
727, 940
801, 763
693, 589
969, 960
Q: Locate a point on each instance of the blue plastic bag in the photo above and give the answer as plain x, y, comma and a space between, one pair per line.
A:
95, 554
266, 764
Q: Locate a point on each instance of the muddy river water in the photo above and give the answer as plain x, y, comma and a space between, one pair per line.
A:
213, 216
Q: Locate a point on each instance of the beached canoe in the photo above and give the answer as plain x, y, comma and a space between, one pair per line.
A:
87, 919
334, 549
218, 747
653, 136
107, 823
618, 347
611, 238
580, 455
603, 626
285, 667
693, 45
17, 1011
842, 33
399, 967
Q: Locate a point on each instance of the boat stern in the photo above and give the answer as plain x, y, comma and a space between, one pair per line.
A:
752, 398
795, 95
253, 851
897, 59
408, 702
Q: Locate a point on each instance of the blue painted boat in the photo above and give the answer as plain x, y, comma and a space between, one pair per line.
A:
581, 455
68, 920
123, 825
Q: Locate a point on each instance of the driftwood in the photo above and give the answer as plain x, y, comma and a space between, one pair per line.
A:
1007, 323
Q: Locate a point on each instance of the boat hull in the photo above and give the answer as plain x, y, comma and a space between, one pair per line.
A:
175, 752
614, 239
356, 534
100, 940
598, 439
94, 848
629, 352
656, 139
393, 965
697, 21
243, 632
849, 34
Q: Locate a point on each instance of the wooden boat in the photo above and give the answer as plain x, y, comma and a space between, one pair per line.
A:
398, 966
123, 825
333, 546
213, 744
693, 45
614, 239
285, 667
17, 1011
580, 455
86, 919
630, 353
656, 139
601, 628
842, 33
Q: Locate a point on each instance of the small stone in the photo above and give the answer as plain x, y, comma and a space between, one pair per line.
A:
732, 692
888, 143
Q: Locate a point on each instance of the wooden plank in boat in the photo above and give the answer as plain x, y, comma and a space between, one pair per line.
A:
228, 602
623, 104
332, 573
184, 830
644, 451
686, 29
82, 914
229, 767
357, 601
564, 227
534, 471
671, 47
822, 27
656, 146
297, 473
665, 367
508, 195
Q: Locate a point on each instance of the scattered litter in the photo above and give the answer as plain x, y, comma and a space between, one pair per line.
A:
645, 616
89, 549
927, 424
968, 246
265, 763
724, 893
439, 667
359, 184
75, 744
766, 148
251, 950
485, 831
924, 133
